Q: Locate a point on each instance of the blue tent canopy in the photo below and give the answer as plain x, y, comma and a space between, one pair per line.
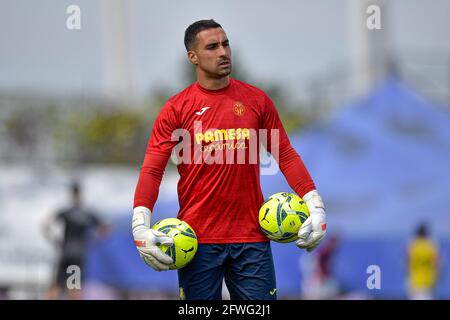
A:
382, 160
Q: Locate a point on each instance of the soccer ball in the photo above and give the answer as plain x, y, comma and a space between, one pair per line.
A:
185, 242
282, 215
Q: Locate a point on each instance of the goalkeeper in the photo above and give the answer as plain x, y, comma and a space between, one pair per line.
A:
219, 194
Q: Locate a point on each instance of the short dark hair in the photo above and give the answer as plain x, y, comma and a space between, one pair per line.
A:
422, 230
191, 32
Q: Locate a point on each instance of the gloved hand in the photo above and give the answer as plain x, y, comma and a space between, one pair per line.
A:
146, 240
314, 228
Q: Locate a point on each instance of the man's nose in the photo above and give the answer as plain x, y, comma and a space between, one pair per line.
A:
223, 51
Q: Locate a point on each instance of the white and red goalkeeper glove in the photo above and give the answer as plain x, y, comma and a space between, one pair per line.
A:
146, 240
314, 228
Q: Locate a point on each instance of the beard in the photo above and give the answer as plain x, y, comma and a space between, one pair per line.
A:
219, 71
223, 72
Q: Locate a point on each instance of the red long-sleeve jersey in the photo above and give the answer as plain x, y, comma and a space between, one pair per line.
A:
215, 137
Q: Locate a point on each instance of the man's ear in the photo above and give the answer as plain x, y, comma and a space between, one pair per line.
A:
192, 56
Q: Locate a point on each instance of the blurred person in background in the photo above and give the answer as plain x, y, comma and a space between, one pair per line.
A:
319, 282
423, 265
76, 222
4, 292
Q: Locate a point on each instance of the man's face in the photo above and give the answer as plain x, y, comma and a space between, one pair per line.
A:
212, 53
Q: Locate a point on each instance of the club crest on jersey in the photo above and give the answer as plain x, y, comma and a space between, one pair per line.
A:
238, 108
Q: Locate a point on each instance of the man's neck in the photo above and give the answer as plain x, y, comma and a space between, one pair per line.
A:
213, 83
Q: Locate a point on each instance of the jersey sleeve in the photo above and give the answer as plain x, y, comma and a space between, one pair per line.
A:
278, 144
157, 154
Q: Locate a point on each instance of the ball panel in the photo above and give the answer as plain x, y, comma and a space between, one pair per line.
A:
185, 241
292, 223
281, 216
267, 218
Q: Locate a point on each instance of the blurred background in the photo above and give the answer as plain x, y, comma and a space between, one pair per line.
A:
364, 95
